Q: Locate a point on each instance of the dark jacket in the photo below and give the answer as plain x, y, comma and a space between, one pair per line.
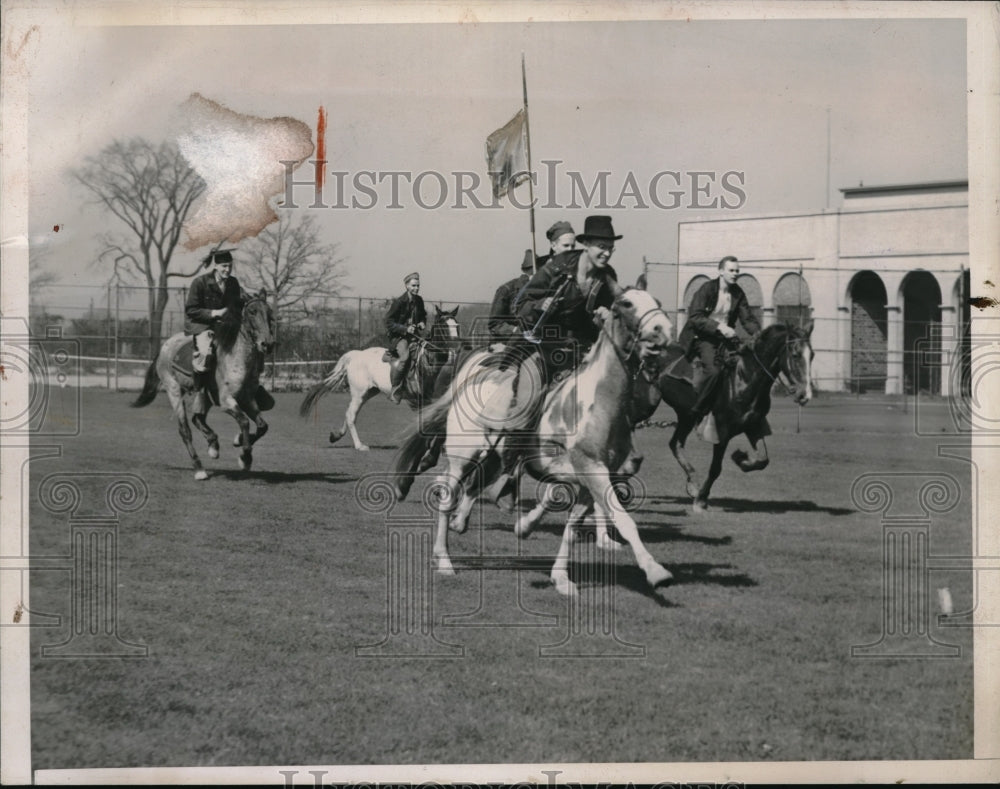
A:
701, 326
503, 323
574, 313
205, 296
404, 311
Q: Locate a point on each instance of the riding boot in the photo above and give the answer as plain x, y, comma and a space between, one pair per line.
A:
397, 377
506, 485
200, 400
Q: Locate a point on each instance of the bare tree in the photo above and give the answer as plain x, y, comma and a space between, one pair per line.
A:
291, 262
151, 189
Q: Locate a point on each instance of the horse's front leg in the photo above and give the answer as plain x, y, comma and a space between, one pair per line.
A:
759, 460
231, 407
685, 424
199, 421
560, 567
598, 481
718, 452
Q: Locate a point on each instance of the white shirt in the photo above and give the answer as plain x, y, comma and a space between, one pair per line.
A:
721, 312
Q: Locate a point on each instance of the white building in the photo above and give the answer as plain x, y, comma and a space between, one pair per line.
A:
884, 277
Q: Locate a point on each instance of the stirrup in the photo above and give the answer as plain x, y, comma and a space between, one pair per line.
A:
396, 395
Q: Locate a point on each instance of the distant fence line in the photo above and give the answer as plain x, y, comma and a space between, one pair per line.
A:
113, 336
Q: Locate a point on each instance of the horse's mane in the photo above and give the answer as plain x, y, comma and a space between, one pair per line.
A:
228, 329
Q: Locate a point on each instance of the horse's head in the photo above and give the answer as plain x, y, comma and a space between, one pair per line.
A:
645, 321
445, 324
258, 322
795, 370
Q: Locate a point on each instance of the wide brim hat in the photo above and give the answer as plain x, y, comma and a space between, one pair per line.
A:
598, 227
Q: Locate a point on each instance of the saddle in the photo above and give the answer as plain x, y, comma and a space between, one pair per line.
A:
183, 367
677, 365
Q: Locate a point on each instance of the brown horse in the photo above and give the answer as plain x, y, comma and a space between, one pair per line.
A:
779, 353
241, 344
584, 433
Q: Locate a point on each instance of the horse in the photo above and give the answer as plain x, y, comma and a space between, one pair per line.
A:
779, 353
584, 432
366, 372
241, 343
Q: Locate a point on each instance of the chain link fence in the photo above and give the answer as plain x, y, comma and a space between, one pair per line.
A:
110, 325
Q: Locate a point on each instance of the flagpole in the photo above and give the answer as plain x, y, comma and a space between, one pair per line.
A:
527, 146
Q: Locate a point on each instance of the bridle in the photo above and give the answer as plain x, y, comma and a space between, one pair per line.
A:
626, 357
792, 386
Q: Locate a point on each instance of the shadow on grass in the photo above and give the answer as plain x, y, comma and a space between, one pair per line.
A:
651, 532
758, 505
278, 477
350, 446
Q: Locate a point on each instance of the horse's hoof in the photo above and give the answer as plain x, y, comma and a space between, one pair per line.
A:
363, 448
444, 567
658, 575
699, 506
236, 441
605, 543
213, 451
564, 586
458, 526
335, 437
692, 490
245, 462
201, 474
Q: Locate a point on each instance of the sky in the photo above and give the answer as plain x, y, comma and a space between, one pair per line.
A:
748, 97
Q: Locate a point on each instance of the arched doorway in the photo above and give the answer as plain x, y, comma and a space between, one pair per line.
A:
792, 301
692, 288
869, 332
921, 333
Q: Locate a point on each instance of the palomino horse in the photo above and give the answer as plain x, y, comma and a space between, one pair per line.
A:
241, 344
780, 353
584, 432
366, 372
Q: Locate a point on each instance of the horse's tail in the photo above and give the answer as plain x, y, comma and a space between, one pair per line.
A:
431, 423
149, 388
331, 383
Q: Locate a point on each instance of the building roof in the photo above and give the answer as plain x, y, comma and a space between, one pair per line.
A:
930, 186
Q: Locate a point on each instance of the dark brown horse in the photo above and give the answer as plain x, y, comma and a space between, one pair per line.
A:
779, 353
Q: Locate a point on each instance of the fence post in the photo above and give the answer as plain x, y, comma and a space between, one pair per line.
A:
359, 322
107, 346
274, 354
117, 321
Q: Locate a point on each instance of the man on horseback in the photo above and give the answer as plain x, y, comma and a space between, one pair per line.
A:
213, 297
565, 302
712, 316
405, 321
503, 323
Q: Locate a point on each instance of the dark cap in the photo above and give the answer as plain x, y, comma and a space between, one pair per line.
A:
528, 264
598, 227
218, 256
558, 229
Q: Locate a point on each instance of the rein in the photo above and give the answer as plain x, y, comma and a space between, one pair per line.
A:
624, 358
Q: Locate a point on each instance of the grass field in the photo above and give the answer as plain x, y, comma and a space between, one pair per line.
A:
253, 591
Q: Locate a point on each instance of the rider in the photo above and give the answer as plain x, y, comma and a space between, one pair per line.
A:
503, 322
568, 299
212, 297
714, 311
404, 321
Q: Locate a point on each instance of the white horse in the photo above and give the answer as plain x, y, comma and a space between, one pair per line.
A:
366, 373
584, 433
